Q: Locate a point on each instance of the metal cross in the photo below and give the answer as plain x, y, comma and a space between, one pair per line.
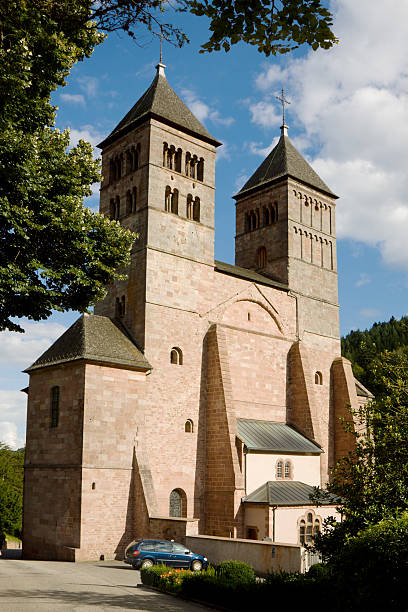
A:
284, 101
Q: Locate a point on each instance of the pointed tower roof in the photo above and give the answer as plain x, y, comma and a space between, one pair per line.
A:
160, 102
284, 161
93, 338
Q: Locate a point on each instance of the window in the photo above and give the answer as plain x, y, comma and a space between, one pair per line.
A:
284, 469
187, 164
174, 201
261, 257
167, 199
134, 199
318, 378
309, 527
93, 486
196, 209
179, 548
178, 503
120, 306
188, 426
279, 469
128, 203
177, 161
189, 209
200, 170
176, 356
288, 469
54, 406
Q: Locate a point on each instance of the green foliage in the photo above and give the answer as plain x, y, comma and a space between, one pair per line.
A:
54, 253
371, 569
272, 26
11, 490
238, 571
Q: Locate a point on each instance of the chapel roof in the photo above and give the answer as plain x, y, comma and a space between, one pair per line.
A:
287, 493
268, 436
93, 338
161, 102
284, 161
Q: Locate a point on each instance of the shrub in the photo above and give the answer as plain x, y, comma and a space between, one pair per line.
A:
164, 577
236, 571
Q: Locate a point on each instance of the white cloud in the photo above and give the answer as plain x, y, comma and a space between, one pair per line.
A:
89, 85
256, 148
202, 111
73, 98
363, 280
88, 133
240, 182
352, 104
13, 406
23, 349
223, 152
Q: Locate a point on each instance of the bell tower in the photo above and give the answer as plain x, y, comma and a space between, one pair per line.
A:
158, 168
285, 229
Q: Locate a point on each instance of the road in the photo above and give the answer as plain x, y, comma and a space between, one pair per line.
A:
26, 586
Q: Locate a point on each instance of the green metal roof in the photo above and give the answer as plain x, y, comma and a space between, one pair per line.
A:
94, 338
231, 270
162, 102
286, 493
273, 437
283, 161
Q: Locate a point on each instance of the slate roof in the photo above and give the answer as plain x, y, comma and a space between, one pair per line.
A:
226, 268
160, 101
94, 338
286, 493
283, 161
273, 437
361, 390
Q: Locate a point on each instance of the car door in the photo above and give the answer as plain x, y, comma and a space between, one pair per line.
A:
164, 553
181, 555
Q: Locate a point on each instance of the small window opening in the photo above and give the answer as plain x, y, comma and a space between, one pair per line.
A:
261, 257
167, 199
279, 469
287, 469
188, 426
174, 201
189, 210
196, 209
176, 356
134, 199
318, 378
249, 316
93, 486
55, 406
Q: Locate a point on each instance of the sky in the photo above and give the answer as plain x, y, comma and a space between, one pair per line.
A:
348, 116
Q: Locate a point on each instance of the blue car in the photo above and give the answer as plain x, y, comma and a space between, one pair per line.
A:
146, 553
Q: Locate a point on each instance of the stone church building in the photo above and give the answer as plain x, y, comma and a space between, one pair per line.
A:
201, 397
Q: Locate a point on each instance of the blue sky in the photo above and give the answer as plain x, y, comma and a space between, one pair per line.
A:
348, 116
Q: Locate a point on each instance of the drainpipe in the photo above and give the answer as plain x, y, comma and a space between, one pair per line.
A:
273, 522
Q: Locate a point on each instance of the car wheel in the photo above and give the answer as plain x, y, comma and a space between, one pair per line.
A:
196, 565
147, 563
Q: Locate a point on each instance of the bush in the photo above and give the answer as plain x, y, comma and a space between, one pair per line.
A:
236, 571
164, 578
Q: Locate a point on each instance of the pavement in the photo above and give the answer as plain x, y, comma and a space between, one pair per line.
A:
45, 586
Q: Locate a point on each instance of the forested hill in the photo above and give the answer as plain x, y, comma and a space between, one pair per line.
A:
362, 346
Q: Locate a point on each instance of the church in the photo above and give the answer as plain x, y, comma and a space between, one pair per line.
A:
200, 397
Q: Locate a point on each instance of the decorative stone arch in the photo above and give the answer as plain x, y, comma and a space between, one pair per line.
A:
189, 426
176, 356
178, 503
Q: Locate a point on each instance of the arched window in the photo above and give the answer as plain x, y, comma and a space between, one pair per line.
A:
261, 257
177, 162
112, 209
129, 162
309, 527
318, 378
165, 145
136, 157
279, 469
266, 216
187, 164
54, 406
200, 170
196, 209
174, 201
117, 208
188, 426
176, 356
128, 203
134, 199
123, 306
178, 503
193, 166
167, 199
288, 470
189, 209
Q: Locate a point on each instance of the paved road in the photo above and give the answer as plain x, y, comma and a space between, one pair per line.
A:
104, 585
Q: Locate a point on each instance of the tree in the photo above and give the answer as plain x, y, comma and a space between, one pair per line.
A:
373, 479
11, 490
54, 253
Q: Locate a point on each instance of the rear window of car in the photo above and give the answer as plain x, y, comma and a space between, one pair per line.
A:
148, 546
